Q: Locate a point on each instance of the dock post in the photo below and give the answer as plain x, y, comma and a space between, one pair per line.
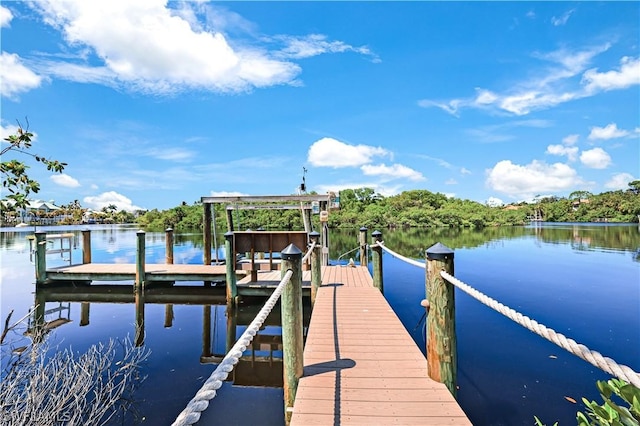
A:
442, 355
376, 260
316, 264
363, 246
139, 287
41, 257
86, 246
206, 229
168, 246
230, 262
292, 336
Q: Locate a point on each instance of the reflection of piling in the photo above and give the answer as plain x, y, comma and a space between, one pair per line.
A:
363, 246
376, 260
206, 331
316, 264
139, 287
38, 317
84, 313
168, 315
230, 262
292, 336
441, 328
232, 323
86, 246
41, 257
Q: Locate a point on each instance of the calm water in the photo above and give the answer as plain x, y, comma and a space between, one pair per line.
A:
581, 280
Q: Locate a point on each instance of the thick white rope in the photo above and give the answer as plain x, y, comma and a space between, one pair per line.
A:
191, 414
595, 358
399, 256
308, 255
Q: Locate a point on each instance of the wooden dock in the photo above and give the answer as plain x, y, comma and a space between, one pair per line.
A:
360, 364
127, 272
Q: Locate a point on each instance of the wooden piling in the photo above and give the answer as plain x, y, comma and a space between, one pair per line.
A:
363, 246
139, 287
292, 335
230, 262
168, 246
86, 246
376, 260
206, 224
442, 355
41, 257
316, 264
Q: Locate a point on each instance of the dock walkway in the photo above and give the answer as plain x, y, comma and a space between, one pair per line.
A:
360, 364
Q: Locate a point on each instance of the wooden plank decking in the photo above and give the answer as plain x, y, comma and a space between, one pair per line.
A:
127, 271
361, 365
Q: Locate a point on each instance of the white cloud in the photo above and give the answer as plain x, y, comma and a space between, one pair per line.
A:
451, 181
171, 154
619, 181
610, 131
317, 44
111, 197
384, 190
395, 171
562, 20
526, 181
6, 131
570, 140
65, 180
15, 78
570, 151
168, 54
227, 194
549, 86
494, 202
5, 17
465, 171
596, 158
627, 76
329, 152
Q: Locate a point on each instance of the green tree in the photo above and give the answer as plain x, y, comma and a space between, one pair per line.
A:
15, 179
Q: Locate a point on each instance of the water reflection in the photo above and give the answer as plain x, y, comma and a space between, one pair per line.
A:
580, 236
261, 363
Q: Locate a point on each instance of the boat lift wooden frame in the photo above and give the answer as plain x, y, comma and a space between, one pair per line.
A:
282, 202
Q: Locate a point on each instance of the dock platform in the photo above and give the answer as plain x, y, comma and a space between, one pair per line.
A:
360, 364
126, 272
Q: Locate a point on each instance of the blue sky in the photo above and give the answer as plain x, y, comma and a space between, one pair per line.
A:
152, 103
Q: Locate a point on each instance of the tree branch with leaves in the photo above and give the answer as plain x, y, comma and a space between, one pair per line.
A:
15, 179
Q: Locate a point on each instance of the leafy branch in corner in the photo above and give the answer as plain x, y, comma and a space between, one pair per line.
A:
14, 173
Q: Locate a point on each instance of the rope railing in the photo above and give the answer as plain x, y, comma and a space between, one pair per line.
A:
308, 254
595, 358
192, 412
398, 255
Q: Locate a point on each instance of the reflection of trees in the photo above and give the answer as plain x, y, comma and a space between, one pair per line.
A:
413, 242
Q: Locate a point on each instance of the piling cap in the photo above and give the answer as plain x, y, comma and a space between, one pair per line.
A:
376, 234
314, 234
439, 251
291, 251
363, 229
228, 235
